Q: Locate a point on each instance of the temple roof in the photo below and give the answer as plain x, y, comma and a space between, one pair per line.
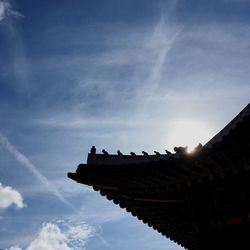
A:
185, 197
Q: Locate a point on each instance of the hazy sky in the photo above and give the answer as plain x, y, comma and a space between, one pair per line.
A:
119, 74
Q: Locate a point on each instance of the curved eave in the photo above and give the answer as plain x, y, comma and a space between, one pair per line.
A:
147, 189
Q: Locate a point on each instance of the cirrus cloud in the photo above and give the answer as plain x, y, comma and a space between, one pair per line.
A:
7, 10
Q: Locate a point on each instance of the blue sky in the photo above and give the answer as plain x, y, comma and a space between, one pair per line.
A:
129, 75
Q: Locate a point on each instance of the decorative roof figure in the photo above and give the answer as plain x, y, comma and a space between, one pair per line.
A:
198, 148
119, 152
168, 152
180, 150
93, 150
157, 153
105, 152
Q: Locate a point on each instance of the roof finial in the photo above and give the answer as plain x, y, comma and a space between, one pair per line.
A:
157, 153
180, 150
119, 152
93, 150
105, 152
168, 152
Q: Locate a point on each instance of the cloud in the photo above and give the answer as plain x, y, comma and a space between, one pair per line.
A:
9, 196
118, 82
126, 70
50, 237
142, 71
146, 78
7, 10
32, 168
77, 121
15, 64
109, 211
15, 248
143, 52
60, 236
3, 8
162, 41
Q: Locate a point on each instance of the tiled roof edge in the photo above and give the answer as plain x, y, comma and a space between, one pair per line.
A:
231, 125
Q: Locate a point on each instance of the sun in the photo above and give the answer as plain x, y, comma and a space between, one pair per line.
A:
190, 133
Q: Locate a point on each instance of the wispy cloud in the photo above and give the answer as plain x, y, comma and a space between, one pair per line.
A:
137, 53
146, 78
78, 121
10, 196
6, 9
15, 68
144, 70
32, 168
162, 41
115, 86
60, 236
108, 213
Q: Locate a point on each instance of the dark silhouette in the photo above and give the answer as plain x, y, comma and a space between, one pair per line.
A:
119, 152
105, 152
157, 153
168, 152
200, 201
198, 148
93, 150
144, 153
180, 150
133, 154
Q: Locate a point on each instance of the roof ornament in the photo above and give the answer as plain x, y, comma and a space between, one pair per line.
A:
198, 148
157, 153
144, 153
105, 152
180, 150
93, 150
133, 154
168, 152
119, 152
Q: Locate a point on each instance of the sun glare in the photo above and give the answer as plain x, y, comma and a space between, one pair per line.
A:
189, 133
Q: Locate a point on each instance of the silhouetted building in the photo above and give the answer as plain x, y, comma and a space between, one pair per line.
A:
200, 201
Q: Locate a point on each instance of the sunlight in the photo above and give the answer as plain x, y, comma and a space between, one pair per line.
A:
189, 133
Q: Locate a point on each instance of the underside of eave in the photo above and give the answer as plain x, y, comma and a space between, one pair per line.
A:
154, 191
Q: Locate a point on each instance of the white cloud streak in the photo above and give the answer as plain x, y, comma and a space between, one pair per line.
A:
19, 65
7, 10
32, 168
146, 52
101, 211
78, 121
60, 236
9, 196
162, 40
173, 71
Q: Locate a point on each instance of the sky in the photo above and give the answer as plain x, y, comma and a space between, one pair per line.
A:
118, 74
